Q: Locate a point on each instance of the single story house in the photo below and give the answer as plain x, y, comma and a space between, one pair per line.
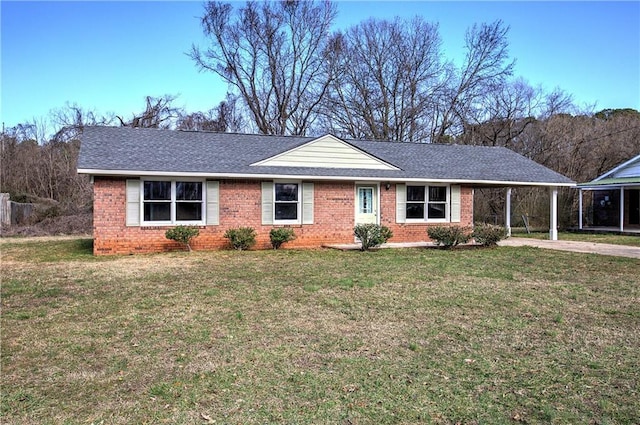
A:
147, 180
615, 203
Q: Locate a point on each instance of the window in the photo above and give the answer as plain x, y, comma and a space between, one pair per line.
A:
437, 202
157, 201
188, 201
168, 202
365, 204
286, 202
427, 203
415, 202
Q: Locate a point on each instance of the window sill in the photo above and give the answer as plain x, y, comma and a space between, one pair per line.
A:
286, 223
164, 224
432, 221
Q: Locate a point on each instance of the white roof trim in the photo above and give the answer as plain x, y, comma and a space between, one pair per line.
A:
296, 157
141, 173
607, 186
616, 169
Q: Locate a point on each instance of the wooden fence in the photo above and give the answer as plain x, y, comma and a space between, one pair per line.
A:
14, 213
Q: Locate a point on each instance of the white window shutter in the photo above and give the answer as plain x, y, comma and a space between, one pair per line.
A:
133, 203
401, 203
267, 202
455, 204
307, 203
213, 203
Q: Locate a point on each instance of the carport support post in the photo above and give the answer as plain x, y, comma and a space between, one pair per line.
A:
622, 209
507, 213
580, 210
553, 219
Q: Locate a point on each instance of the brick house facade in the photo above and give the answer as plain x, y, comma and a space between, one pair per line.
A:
146, 181
334, 218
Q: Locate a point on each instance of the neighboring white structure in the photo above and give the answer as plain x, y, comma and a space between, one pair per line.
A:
616, 197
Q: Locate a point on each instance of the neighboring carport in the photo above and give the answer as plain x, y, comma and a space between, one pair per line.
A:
615, 199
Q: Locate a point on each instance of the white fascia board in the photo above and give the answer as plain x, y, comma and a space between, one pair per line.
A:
607, 186
141, 173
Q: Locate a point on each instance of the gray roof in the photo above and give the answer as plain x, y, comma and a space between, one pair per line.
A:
142, 151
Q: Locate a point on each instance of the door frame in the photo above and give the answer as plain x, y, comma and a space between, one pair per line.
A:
376, 193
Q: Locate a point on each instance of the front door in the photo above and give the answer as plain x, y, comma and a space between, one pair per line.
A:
366, 204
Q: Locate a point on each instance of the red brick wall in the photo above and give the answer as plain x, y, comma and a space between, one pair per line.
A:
240, 205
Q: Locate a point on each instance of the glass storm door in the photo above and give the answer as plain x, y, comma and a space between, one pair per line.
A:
366, 205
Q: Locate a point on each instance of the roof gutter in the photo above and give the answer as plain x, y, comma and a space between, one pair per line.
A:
129, 173
606, 186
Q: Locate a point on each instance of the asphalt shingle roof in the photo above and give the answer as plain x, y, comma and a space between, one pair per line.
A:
114, 150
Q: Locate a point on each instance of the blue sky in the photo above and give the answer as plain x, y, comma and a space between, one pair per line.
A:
107, 56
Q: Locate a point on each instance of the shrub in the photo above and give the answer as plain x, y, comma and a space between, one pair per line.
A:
488, 234
241, 238
372, 235
449, 236
182, 234
281, 235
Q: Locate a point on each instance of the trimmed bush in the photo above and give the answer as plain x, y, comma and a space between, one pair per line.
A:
372, 235
182, 234
488, 234
449, 236
281, 235
241, 238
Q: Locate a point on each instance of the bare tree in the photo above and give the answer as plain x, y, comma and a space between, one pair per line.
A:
484, 69
275, 54
43, 171
392, 83
222, 118
159, 113
509, 116
72, 119
201, 121
581, 146
505, 112
36, 130
388, 73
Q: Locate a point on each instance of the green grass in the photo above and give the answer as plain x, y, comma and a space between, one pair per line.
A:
48, 250
585, 237
500, 336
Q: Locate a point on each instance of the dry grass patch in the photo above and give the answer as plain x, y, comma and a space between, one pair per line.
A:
395, 336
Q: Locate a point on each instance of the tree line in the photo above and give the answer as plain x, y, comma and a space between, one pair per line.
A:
39, 158
289, 73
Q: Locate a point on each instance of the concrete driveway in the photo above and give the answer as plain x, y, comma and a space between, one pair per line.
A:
588, 247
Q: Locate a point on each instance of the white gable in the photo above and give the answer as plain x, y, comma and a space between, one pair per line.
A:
630, 168
326, 152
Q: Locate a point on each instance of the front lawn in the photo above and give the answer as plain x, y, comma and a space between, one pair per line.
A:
497, 336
